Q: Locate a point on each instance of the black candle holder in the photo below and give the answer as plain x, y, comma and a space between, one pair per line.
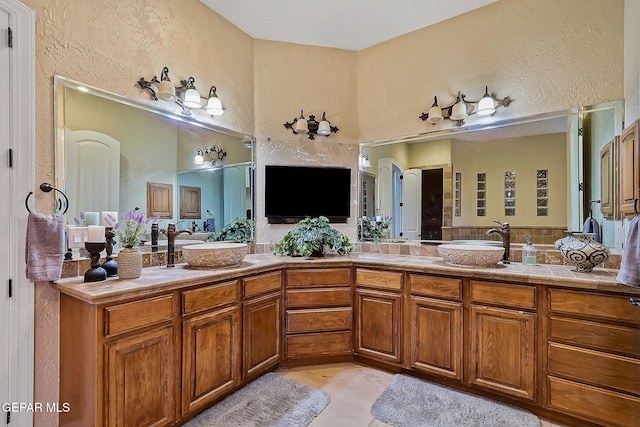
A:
110, 266
96, 273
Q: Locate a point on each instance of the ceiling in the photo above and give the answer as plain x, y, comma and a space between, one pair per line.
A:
343, 24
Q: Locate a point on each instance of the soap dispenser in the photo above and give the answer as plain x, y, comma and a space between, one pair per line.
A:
528, 253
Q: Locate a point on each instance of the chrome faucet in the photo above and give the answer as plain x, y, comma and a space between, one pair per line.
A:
505, 233
171, 240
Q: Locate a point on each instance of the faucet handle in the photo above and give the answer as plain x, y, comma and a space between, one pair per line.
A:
502, 224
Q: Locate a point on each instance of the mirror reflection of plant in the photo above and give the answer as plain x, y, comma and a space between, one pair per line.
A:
239, 230
131, 227
310, 237
368, 231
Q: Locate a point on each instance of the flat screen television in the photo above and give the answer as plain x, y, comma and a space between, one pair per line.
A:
293, 193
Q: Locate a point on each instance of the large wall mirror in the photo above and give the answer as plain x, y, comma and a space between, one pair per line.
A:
115, 154
544, 175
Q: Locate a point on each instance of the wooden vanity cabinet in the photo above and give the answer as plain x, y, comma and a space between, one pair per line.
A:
593, 356
378, 315
436, 325
503, 338
318, 317
629, 169
120, 362
262, 323
211, 343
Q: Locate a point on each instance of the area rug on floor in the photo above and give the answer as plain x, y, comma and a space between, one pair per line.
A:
411, 402
271, 400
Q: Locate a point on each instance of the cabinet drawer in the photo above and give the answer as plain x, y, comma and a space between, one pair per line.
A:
318, 320
378, 279
137, 314
603, 369
618, 339
318, 297
320, 344
614, 307
503, 294
310, 277
261, 284
435, 286
604, 406
209, 297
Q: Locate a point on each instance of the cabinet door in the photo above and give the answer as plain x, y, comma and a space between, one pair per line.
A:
212, 348
629, 169
379, 325
141, 379
503, 350
262, 333
436, 336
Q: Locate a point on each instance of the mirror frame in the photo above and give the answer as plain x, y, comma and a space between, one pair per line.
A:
451, 132
156, 107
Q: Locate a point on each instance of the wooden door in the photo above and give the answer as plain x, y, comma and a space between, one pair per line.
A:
629, 169
432, 204
411, 207
141, 380
436, 336
159, 200
190, 202
607, 179
211, 356
503, 350
262, 333
378, 325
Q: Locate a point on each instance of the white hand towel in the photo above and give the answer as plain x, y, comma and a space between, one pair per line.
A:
45, 247
629, 273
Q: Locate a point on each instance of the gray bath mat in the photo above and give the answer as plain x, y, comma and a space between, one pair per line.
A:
271, 400
411, 402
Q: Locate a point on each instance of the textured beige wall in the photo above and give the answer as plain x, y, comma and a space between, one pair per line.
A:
631, 60
546, 54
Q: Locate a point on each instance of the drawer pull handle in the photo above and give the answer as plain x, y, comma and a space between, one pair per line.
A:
634, 301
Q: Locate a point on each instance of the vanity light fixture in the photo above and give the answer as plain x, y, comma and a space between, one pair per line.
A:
462, 108
312, 126
186, 95
216, 159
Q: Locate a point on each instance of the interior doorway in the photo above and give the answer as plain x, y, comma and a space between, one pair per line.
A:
432, 204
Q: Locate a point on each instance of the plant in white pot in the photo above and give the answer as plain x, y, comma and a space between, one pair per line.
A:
311, 237
129, 230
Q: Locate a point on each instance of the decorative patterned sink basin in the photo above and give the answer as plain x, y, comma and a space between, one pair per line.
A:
471, 255
214, 254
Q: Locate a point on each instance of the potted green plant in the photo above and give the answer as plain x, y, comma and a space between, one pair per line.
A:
238, 230
368, 231
311, 237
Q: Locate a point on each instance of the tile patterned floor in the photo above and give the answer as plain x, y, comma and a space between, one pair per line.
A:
353, 389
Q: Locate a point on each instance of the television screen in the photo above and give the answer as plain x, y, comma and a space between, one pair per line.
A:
296, 192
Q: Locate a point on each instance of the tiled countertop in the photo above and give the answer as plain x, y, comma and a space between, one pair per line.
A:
155, 279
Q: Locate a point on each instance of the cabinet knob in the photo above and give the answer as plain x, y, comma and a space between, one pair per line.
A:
634, 301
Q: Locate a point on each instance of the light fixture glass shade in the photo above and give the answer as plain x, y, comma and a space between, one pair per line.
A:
324, 128
166, 91
435, 114
199, 159
302, 126
214, 106
459, 111
192, 98
486, 106
366, 163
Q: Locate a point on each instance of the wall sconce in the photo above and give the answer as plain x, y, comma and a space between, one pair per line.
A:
216, 159
461, 109
311, 126
186, 95
363, 161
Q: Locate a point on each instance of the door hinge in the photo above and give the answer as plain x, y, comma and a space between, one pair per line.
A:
8, 417
401, 234
580, 131
9, 37
401, 176
581, 186
401, 204
10, 157
10, 288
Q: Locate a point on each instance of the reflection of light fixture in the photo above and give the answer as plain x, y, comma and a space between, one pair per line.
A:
216, 160
186, 95
311, 126
461, 109
363, 161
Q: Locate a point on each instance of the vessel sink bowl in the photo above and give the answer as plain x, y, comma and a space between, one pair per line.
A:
477, 242
467, 255
179, 243
214, 254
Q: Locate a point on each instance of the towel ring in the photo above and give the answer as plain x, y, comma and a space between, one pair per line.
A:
47, 188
